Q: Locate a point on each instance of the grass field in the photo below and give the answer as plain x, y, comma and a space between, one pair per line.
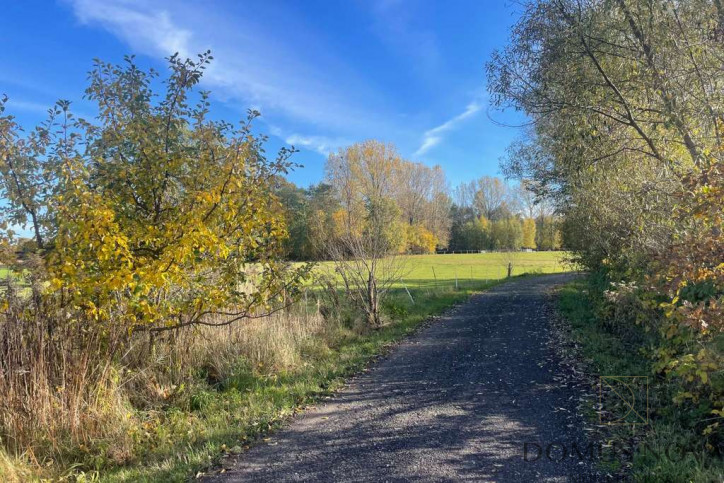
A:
426, 269
469, 269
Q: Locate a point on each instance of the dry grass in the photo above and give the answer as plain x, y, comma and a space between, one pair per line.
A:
14, 470
60, 388
74, 393
156, 369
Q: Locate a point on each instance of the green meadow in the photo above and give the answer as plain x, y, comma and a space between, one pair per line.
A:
470, 269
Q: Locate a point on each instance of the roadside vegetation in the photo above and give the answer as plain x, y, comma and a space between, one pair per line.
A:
273, 368
625, 140
182, 405
670, 447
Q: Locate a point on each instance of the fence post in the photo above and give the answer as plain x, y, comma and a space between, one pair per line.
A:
306, 304
408, 293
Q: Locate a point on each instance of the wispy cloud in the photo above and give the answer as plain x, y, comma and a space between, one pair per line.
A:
321, 144
317, 98
434, 136
137, 24
251, 66
15, 104
21, 105
324, 145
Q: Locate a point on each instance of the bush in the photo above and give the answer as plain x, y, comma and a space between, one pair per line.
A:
678, 426
157, 217
684, 364
420, 240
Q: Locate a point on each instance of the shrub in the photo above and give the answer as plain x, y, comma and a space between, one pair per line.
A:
156, 217
420, 240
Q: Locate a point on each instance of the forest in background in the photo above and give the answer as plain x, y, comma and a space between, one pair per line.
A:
485, 214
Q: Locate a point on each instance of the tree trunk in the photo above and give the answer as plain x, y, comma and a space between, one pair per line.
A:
373, 314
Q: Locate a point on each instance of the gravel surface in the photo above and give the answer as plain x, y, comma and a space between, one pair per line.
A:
456, 401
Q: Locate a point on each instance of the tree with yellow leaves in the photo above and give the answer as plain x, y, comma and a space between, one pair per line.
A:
419, 240
529, 233
156, 216
368, 230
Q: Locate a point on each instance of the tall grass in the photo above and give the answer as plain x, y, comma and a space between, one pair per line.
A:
77, 395
13, 470
60, 386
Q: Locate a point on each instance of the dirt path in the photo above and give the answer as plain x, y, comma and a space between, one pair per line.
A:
457, 401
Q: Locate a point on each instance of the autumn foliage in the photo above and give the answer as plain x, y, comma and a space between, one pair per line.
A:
154, 216
152, 219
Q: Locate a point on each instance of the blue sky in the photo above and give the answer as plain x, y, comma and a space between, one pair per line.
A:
324, 74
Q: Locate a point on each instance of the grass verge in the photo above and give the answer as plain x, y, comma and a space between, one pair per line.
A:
666, 449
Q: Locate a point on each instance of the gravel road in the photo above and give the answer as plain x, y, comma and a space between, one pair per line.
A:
455, 402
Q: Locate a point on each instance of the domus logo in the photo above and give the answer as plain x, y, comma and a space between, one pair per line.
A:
624, 400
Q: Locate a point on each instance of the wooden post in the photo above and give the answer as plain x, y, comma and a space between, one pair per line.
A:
510, 269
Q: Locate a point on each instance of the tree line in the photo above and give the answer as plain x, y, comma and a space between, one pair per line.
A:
425, 215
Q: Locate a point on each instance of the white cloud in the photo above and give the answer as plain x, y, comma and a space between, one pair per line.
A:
297, 83
14, 104
140, 26
20, 105
252, 66
434, 136
321, 144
